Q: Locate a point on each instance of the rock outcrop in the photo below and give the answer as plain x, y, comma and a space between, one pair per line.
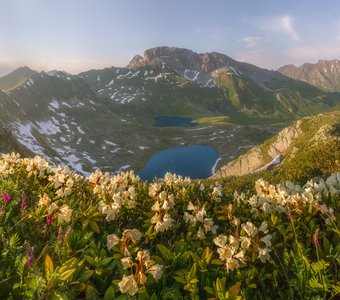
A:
259, 158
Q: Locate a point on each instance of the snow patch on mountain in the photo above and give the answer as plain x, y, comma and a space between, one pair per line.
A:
49, 127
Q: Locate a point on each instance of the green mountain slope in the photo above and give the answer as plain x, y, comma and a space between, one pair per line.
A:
15, 78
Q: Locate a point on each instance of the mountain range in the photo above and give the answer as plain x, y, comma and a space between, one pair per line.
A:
105, 118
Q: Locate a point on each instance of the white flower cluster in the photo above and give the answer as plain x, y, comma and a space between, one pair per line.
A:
62, 180
119, 189
270, 198
216, 192
173, 180
232, 250
197, 216
64, 213
142, 265
164, 202
37, 166
8, 164
129, 235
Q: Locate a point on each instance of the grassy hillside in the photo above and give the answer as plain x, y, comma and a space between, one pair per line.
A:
15, 78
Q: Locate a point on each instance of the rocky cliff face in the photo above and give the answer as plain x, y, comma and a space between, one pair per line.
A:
257, 157
288, 143
325, 74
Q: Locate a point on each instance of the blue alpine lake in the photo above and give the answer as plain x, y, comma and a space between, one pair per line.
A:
194, 161
170, 121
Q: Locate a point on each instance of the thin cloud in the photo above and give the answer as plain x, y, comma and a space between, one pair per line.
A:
251, 41
283, 24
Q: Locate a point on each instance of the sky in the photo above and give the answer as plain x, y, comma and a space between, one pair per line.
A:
78, 35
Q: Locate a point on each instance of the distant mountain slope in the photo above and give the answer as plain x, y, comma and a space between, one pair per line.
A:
170, 80
325, 74
15, 78
311, 144
9, 143
105, 118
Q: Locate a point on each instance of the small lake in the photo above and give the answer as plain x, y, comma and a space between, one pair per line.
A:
194, 161
169, 121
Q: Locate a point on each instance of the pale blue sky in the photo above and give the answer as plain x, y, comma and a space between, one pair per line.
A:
76, 35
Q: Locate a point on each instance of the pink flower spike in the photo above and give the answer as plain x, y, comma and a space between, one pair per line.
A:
29, 261
316, 237
31, 256
6, 197
23, 200
49, 220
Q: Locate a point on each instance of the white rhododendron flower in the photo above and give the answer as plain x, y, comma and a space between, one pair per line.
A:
132, 234
267, 240
128, 285
52, 208
64, 214
126, 262
112, 240
44, 200
264, 254
250, 229
156, 271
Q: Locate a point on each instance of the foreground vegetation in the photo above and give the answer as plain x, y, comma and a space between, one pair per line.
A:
64, 236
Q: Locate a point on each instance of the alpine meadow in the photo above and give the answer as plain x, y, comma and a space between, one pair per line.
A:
169, 173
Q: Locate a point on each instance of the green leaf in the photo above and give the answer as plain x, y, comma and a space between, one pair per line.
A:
86, 275
235, 289
273, 219
166, 254
49, 269
192, 272
110, 293
326, 245
180, 279
67, 274
217, 262
314, 284
209, 290
90, 292
319, 266
220, 285
122, 297
90, 260
106, 261
58, 296
143, 294
153, 297
94, 226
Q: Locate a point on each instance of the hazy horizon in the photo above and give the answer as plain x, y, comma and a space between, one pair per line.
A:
80, 35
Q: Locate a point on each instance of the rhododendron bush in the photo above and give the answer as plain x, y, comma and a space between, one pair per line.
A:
65, 236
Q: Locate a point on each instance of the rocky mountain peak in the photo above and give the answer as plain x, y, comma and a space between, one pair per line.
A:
135, 62
325, 74
181, 59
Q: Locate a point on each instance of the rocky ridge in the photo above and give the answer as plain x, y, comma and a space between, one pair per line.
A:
325, 74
